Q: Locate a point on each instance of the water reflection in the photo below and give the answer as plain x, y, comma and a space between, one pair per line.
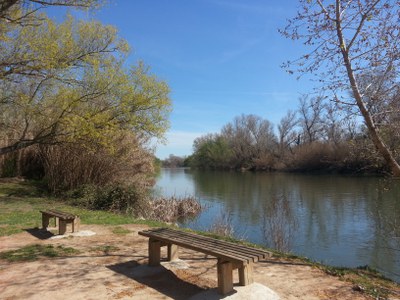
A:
279, 221
174, 182
339, 220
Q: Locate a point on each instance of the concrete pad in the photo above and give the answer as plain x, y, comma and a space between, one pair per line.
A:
175, 264
254, 291
79, 233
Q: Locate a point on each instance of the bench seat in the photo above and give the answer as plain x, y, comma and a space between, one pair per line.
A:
230, 256
61, 220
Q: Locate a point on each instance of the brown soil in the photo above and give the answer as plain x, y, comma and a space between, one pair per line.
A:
123, 272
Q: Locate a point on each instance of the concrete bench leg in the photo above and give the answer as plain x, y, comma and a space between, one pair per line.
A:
62, 226
225, 278
154, 252
172, 252
246, 274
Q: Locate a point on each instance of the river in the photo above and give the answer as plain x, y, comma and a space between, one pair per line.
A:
337, 220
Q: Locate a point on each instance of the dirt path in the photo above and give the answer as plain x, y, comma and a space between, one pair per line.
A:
113, 266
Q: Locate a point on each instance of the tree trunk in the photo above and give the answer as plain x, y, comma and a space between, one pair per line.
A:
372, 129
16, 146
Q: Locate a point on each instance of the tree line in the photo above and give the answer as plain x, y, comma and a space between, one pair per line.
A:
314, 137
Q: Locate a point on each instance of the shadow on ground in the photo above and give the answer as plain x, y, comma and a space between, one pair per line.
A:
39, 233
157, 278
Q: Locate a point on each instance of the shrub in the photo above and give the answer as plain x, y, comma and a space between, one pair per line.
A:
66, 166
8, 166
311, 157
134, 201
117, 198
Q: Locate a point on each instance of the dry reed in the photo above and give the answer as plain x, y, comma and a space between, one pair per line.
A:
173, 209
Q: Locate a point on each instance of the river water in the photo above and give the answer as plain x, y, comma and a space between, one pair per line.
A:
337, 220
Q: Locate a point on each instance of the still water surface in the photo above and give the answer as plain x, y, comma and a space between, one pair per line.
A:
338, 220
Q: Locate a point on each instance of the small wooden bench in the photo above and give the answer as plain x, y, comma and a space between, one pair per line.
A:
61, 219
230, 256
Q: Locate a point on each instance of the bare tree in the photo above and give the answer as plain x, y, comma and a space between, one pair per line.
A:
250, 137
287, 133
333, 124
310, 111
173, 161
350, 38
382, 100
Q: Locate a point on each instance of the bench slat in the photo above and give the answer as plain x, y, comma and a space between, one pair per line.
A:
196, 248
241, 248
227, 249
211, 246
211, 249
219, 246
58, 214
66, 214
261, 254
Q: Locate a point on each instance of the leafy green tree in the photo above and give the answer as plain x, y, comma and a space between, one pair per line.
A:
211, 151
66, 83
247, 142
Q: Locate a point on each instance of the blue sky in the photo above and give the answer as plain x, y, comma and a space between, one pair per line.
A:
221, 58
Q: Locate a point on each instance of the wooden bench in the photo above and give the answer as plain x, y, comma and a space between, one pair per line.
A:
61, 220
230, 256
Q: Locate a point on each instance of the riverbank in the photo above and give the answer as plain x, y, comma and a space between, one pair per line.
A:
109, 265
112, 262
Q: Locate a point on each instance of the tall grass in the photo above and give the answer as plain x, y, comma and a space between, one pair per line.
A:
124, 160
173, 209
67, 167
223, 225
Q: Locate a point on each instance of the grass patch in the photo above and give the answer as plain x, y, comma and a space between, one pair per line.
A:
9, 230
120, 230
20, 205
34, 252
21, 189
